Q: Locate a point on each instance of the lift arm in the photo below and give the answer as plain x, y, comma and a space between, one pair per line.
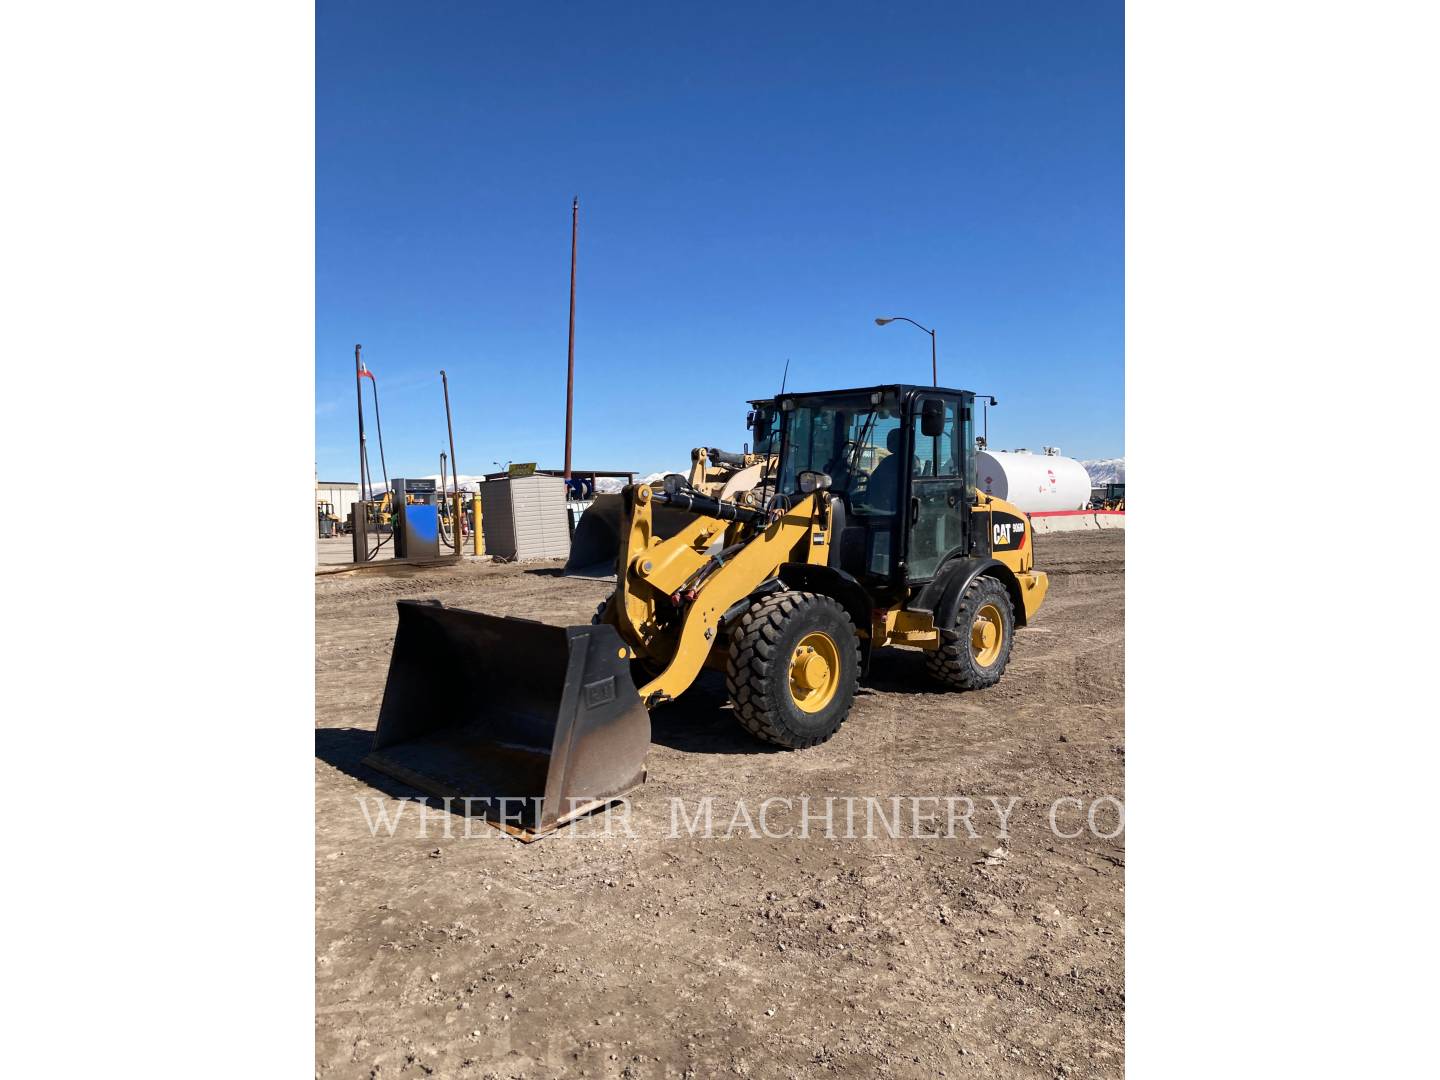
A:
671, 594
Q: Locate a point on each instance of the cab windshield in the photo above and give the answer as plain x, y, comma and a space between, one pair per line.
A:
851, 440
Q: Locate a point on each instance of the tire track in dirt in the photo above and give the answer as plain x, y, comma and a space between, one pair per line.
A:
664, 956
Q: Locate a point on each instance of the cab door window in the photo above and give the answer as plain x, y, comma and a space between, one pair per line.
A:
937, 487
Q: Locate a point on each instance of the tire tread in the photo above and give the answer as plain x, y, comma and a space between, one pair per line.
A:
750, 672
952, 663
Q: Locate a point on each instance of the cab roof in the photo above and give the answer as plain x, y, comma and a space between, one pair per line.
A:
901, 389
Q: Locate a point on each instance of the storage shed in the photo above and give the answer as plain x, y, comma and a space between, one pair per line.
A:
525, 518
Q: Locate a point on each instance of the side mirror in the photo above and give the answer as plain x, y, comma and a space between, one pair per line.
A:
809, 481
760, 423
932, 418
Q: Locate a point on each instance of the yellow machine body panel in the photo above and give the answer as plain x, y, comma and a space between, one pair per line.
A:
1012, 542
692, 567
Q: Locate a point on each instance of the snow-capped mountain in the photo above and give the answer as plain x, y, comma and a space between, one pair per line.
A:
1105, 471
466, 483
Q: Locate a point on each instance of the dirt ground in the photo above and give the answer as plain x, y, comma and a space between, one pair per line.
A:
654, 953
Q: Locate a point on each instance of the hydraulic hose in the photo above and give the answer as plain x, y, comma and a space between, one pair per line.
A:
725, 457
704, 504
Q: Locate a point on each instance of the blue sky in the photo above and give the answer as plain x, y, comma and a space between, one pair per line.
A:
756, 182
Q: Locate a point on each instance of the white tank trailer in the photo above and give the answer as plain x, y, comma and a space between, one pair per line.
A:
1033, 482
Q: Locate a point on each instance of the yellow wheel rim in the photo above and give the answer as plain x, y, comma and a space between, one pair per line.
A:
814, 672
987, 634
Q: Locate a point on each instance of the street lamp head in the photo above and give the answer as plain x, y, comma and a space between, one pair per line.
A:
882, 322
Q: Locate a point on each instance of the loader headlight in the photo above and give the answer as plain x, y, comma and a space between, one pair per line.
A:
813, 481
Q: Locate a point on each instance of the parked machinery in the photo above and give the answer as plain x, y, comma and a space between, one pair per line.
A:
327, 523
872, 533
1109, 497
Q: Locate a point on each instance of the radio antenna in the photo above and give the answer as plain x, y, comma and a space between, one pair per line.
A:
765, 476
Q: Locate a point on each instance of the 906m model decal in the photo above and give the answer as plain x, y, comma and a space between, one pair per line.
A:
1007, 532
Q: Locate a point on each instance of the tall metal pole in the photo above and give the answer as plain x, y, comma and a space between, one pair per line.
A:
570, 368
450, 430
934, 364
360, 416
989, 400
362, 508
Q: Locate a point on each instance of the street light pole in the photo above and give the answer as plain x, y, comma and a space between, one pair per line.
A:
934, 364
990, 400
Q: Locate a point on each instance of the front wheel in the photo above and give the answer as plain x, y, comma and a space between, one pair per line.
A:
973, 653
793, 666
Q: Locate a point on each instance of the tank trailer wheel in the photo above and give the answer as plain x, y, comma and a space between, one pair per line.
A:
794, 662
973, 653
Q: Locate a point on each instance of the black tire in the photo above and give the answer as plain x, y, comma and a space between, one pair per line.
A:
764, 644
955, 663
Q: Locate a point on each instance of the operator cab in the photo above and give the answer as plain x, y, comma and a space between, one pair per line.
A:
901, 470
762, 424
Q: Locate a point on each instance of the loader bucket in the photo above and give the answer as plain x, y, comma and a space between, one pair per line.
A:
596, 541
533, 725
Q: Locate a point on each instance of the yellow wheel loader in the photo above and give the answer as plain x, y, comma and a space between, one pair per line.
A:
872, 532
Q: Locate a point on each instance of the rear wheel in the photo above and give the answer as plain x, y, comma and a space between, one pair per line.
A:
973, 653
794, 662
